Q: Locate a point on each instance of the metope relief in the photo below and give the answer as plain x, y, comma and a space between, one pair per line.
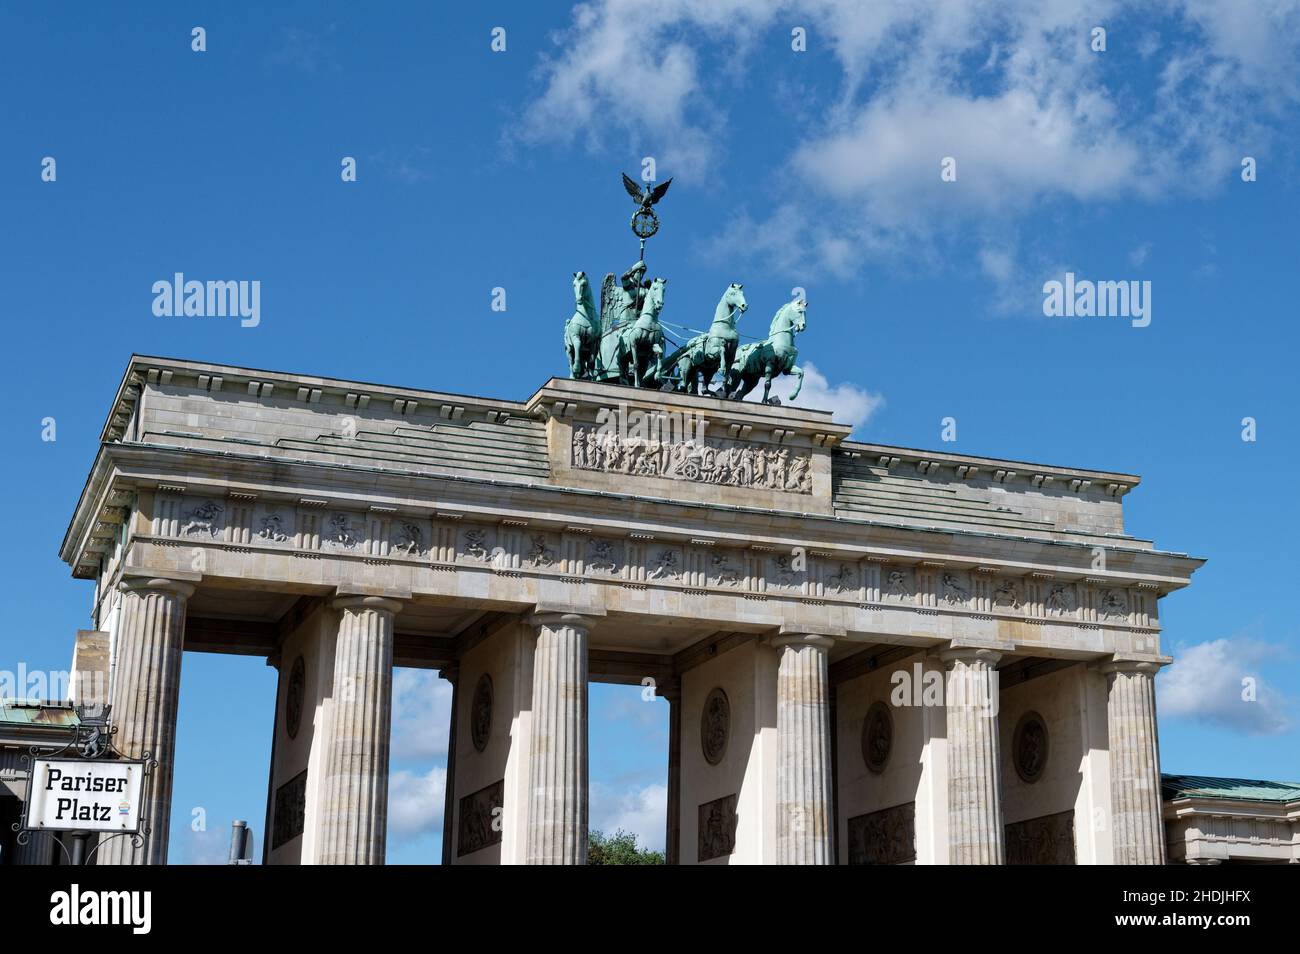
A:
844, 579
476, 545
341, 532
272, 529
953, 590
729, 463
1113, 604
897, 586
205, 518
786, 571
600, 558
1007, 595
540, 555
665, 564
1061, 600
408, 539
723, 571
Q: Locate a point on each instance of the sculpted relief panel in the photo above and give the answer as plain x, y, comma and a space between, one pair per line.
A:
1048, 840
716, 834
886, 837
730, 463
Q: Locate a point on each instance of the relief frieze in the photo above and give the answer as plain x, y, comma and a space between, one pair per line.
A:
699, 460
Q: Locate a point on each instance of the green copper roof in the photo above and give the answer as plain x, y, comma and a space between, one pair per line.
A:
1201, 786
31, 712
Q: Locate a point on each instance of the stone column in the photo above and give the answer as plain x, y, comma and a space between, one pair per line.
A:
354, 800
673, 821
1137, 829
803, 769
557, 760
452, 675
150, 638
975, 833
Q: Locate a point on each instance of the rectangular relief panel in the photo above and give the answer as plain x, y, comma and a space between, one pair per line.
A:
1047, 840
481, 819
290, 810
886, 837
717, 828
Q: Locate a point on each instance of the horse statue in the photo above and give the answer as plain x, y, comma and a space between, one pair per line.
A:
582, 331
643, 341
704, 355
776, 355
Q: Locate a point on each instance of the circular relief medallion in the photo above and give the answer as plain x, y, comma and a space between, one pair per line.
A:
1029, 747
877, 736
480, 713
715, 726
293, 697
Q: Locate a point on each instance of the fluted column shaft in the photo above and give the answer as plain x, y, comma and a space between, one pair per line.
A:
803, 729
557, 761
975, 833
354, 804
1137, 829
150, 640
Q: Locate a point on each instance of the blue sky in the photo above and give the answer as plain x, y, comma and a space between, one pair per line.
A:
819, 169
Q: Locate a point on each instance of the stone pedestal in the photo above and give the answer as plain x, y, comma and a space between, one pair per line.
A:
1138, 831
803, 729
150, 640
354, 810
974, 767
557, 763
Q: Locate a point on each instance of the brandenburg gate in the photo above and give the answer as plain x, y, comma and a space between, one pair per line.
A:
870, 654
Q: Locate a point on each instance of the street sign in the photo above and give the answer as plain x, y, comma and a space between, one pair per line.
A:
85, 795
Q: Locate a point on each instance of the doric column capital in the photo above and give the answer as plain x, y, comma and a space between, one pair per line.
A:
450, 672
157, 584
579, 621
969, 655
1135, 665
802, 640
358, 602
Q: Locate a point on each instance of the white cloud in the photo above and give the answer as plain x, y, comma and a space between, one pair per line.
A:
849, 403
209, 847
1137, 257
1206, 683
1009, 88
415, 802
421, 714
641, 812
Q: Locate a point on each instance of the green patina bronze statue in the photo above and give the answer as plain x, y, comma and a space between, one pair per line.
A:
704, 355
775, 355
582, 331
624, 344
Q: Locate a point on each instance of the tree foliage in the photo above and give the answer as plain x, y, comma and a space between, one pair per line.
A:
619, 849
